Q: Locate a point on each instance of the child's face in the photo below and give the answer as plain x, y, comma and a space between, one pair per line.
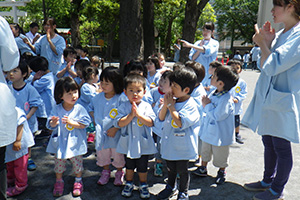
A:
164, 85
135, 92
107, 86
150, 66
211, 70
70, 58
70, 97
238, 68
217, 83
95, 78
162, 61
177, 91
78, 72
14, 30
15, 75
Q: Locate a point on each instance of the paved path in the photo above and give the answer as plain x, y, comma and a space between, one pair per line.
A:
246, 165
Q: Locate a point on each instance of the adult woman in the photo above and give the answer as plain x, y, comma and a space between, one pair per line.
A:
274, 109
204, 51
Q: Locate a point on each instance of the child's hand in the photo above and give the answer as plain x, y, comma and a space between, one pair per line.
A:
38, 75
169, 100
68, 67
112, 132
207, 88
25, 40
161, 102
17, 146
235, 100
205, 101
54, 121
48, 35
134, 109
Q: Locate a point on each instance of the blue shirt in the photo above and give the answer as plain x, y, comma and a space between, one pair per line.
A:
23, 47
87, 92
239, 92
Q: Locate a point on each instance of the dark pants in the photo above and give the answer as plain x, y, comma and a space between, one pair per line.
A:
141, 164
179, 167
278, 162
3, 183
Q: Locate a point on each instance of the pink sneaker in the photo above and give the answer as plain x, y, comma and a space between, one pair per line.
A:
91, 138
77, 189
119, 178
105, 175
14, 191
58, 188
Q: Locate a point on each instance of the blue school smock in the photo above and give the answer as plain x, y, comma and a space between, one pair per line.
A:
87, 92
218, 125
67, 73
105, 111
211, 52
26, 98
153, 96
45, 86
181, 143
274, 108
43, 48
71, 141
23, 47
153, 80
26, 141
197, 94
136, 138
239, 92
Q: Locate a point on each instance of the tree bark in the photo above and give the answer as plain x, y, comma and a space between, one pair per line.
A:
74, 19
169, 37
192, 14
148, 26
130, 31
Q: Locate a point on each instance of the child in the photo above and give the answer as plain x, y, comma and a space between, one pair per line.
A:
27, 98
80, 65
98, 62
135, 119
218, 125
153, 76
103, 108
179, 140
17, 156
68, 140
212, 67
89, 90
67, 68
238, 93
274, 109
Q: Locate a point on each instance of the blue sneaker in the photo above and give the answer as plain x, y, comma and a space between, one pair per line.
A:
268, 195
144, 192
256, 186
31, 165
127, 191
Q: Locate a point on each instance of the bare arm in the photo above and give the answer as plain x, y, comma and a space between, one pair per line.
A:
31, 112
17, 143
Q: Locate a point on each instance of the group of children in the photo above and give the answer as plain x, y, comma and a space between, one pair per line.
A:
148, 109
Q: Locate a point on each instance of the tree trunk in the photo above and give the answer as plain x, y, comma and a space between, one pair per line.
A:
74, 19
169, 37
148, 26
110, 41
192, 14
130, 31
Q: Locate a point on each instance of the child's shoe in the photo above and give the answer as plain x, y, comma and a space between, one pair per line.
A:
58, 188
14, 191
167, 193
91, 138
257, 186
144, 192
238, 139
127, 191
119, 178
158, 169
31, 165
220, 179
77, 188
201, 171
267, 195
105, 175
183, 196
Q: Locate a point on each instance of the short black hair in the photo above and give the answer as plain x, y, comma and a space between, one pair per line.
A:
134, 78
69, 50
81, 64
185, 77
64, 84
88, 71
235, 62
198, 69
114, 75
227, 76
215, 64
166, 74
154, 60
33, 24
39, 63
135, 65
177, 66
23, 66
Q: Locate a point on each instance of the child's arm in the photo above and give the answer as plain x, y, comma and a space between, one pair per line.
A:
26, 41
171, 107
54, 121
66, 120
62, 72
124, 121
17, 143
31, 112
112, 132
163, 111
143, 119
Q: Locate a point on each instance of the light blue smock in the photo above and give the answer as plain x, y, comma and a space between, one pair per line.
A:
211, 52
274, 108
197, 94
67, 73
153, 80
218, 125
181, 143
23, 47
45, 86
136, 138
87, 92
26, 141
43, 48
239, 92
105, 111
27, 98
71, 141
